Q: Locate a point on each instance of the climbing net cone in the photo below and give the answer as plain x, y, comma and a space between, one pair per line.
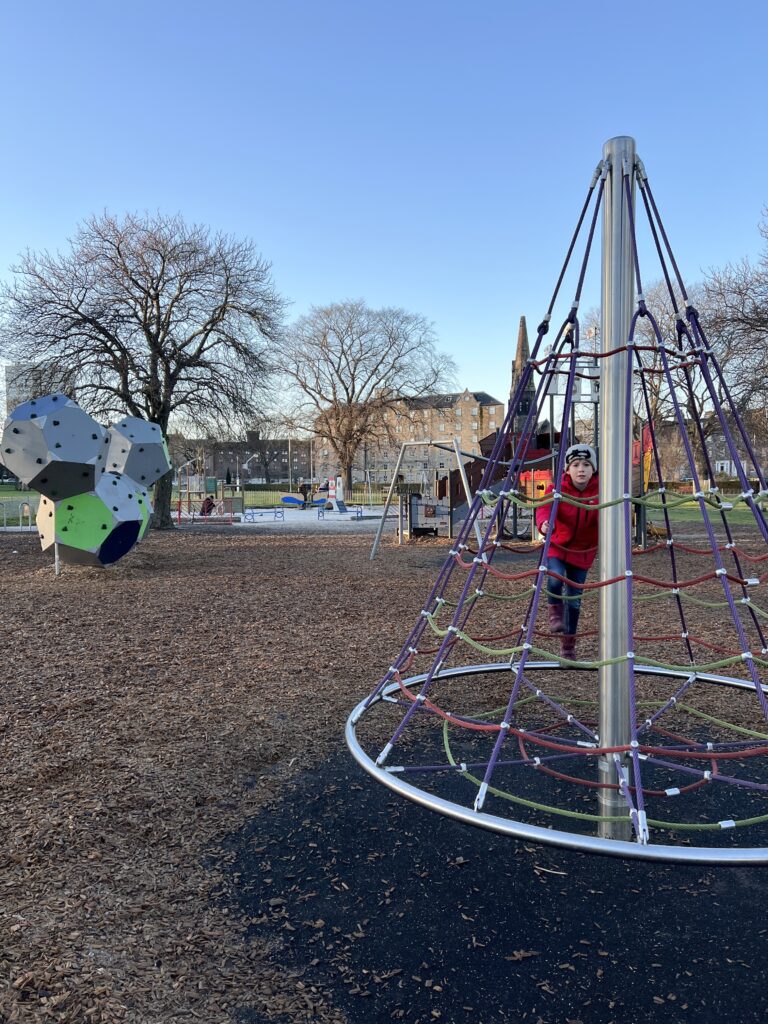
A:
481, 717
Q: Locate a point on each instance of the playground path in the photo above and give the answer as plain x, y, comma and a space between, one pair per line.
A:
186, 838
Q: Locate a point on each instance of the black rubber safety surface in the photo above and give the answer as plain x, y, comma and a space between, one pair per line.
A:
394, 912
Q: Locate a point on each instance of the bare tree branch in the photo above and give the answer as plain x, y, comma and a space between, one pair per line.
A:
349, 364
151, 316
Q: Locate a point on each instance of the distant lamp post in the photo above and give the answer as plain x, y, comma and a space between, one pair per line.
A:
248, 461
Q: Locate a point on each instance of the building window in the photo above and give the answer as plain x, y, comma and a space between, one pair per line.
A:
492, 424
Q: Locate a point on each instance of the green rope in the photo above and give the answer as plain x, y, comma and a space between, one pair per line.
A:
505, 652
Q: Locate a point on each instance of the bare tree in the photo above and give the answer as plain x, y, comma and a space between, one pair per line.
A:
738, 358
264, 438
350, 364
150, 316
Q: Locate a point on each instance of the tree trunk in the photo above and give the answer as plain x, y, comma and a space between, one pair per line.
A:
348, 482
161, 517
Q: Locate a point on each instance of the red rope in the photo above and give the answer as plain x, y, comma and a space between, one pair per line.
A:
591, 784
583, 751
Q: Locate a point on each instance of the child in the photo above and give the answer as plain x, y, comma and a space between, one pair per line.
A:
573, 544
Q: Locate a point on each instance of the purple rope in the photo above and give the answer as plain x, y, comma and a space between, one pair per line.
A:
665, 510
708, 527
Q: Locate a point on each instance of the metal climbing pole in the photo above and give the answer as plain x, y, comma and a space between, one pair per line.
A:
616, 315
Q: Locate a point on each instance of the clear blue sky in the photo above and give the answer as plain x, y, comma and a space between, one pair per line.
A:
431, 155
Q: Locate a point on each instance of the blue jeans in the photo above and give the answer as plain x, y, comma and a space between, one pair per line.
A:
575, 576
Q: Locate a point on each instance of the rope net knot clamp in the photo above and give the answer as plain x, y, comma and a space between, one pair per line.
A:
670, 542
752, 581
728, 823
643, 835
421, 697
440, 601
675, 590
504, 725
384, 755
674, 791
721, 572
479, 592
628, 573
630, 655
412, 650
684, 636
747, 656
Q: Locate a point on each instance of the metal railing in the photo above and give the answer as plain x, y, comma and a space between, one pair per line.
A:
24, 511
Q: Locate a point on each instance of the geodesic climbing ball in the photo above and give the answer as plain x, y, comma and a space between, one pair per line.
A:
97, 527
137, 448
54, 446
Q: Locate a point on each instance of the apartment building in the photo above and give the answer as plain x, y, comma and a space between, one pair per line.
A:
467, 416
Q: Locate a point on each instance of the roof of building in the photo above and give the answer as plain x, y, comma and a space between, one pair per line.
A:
451, 398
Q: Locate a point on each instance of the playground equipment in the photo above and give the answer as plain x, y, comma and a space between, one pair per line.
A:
90, 516
54, 447
656, 746
97, 527
138, 450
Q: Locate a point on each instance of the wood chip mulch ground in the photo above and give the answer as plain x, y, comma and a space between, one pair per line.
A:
186, 838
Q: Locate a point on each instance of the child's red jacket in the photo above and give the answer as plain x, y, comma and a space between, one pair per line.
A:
574, 538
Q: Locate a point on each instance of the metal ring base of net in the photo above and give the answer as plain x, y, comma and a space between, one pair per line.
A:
654, 851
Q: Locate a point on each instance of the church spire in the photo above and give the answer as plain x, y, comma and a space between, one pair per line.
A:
522, 355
